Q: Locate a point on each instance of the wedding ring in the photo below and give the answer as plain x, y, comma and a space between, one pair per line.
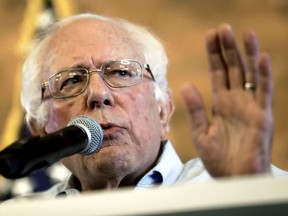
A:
249, 86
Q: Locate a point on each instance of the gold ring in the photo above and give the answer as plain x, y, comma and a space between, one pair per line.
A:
249, 86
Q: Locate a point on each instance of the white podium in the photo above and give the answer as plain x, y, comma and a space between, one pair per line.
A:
235, 196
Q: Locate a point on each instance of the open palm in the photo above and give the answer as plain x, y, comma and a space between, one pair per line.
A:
237, 140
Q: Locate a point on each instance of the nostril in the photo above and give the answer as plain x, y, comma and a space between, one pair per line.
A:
106, 102
93, 104
97, 104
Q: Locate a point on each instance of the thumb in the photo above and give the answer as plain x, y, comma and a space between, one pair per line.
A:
196, 112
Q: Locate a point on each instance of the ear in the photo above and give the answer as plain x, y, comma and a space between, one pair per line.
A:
166, 110
35, 129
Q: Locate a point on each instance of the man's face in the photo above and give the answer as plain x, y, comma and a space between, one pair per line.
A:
130, 117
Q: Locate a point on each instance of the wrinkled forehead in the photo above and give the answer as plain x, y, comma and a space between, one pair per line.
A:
88, 40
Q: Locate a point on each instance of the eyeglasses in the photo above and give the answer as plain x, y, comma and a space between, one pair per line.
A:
116, 74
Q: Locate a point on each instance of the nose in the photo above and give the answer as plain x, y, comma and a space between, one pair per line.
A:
99, 94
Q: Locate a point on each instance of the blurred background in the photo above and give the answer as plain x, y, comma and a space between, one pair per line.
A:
181, 25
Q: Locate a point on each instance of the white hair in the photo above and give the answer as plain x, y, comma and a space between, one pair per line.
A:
148, 44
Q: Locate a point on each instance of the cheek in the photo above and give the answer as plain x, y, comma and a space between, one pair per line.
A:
144, 116
60, 113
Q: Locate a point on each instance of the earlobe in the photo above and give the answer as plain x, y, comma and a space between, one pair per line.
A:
166, 110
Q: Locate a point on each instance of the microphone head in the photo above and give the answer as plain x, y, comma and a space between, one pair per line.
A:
93, 131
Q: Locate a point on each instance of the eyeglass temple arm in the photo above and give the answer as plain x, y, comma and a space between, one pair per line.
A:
43, 89
147, 67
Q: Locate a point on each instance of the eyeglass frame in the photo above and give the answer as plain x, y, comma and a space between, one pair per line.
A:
45, 85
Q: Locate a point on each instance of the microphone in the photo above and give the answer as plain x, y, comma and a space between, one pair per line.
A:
82, 135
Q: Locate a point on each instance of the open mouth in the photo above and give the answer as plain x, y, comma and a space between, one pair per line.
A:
107, 126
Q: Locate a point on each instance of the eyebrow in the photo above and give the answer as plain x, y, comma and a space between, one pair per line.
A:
78, 65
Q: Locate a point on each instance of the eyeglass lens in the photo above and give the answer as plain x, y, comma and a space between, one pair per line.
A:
116, 74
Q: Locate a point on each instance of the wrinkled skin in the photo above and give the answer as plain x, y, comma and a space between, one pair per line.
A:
237, 139
134, 122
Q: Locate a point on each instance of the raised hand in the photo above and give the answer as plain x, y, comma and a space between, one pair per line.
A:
237, 139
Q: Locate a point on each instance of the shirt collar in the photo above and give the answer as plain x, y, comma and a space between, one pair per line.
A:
70, 187
166, 171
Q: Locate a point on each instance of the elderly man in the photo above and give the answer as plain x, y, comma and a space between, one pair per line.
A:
115, 72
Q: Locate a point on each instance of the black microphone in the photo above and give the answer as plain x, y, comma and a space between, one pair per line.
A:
82, 135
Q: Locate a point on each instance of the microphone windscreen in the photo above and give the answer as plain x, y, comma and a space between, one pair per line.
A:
93, 130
